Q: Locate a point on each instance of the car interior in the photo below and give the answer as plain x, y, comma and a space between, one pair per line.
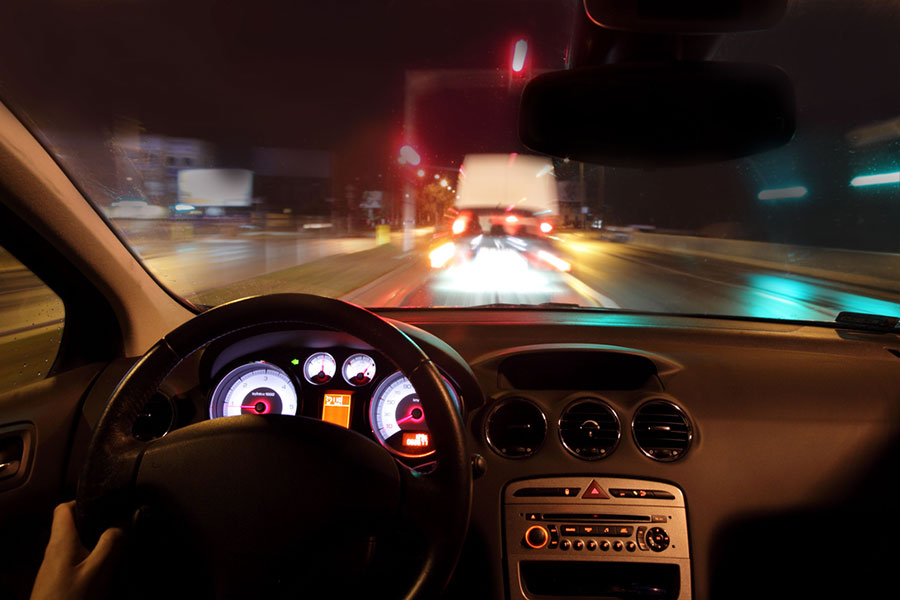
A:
273, 443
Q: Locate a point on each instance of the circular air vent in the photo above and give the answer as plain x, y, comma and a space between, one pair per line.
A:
155, 419
661, 430
589, 429
516, 428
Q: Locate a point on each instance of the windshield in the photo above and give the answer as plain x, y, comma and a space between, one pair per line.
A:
369, 151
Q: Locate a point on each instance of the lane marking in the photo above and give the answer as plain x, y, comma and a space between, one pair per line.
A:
589, 292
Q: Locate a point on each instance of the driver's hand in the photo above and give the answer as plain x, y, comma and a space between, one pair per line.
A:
69, 570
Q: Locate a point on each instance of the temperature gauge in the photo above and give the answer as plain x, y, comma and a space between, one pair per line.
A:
319, 368
359, 369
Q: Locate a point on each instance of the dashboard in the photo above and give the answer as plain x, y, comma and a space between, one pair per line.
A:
667, 457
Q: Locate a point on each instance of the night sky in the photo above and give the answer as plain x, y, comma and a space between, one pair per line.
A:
330, 76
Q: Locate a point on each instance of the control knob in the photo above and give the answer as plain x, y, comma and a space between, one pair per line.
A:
657, 539
537, 536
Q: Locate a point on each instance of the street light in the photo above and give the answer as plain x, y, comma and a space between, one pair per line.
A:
421, 172
444, 183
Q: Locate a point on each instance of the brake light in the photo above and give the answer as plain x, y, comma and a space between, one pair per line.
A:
512, 219
459, 226
546, 227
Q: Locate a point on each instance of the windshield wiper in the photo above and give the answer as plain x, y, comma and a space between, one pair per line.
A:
866, 321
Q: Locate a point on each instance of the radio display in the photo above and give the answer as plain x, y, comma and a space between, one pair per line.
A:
336, 408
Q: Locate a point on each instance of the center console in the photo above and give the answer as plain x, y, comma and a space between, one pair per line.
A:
597, 537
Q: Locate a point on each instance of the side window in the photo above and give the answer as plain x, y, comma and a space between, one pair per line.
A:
31, 325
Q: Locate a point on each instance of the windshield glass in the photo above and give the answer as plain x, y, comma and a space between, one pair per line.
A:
369, 151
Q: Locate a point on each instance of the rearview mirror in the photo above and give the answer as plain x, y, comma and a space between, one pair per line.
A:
660, 114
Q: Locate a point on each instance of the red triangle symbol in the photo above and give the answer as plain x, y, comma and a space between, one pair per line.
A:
594, 491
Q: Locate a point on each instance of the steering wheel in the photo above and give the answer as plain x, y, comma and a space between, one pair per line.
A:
256, 488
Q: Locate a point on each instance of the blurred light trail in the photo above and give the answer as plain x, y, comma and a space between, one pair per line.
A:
441, 255
879, 179
797, 191
555, 261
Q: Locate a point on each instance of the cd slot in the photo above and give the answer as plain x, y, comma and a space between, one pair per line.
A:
595, 518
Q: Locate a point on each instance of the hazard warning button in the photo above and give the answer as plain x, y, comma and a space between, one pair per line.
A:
594, 491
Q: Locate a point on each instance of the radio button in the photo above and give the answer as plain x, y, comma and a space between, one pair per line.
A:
641, 531
591, 545
578, 545
617, 546
657, 539
604, 545
631, 546
565, 545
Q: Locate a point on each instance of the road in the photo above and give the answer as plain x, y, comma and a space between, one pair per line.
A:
484, 271
614, 275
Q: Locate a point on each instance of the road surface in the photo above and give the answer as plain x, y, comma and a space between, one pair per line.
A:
493, 270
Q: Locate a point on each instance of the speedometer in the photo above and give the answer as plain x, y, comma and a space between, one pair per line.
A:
257, 388
398, 419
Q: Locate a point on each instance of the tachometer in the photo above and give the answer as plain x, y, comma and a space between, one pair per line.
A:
257, 388
398, 419
359, 369
319, 368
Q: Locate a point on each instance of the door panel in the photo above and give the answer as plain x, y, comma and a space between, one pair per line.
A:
47, 411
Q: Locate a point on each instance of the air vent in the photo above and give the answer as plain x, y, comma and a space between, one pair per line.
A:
155, 419
589, 429
662, 431
516, 428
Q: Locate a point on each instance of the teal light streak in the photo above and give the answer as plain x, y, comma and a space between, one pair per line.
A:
797, 191
878, 179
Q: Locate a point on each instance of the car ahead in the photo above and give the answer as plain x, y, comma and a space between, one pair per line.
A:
706, 408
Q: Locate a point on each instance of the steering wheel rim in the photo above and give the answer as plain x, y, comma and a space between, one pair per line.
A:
438, 502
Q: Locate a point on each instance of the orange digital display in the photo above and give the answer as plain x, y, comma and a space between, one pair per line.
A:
415, 439
336, 408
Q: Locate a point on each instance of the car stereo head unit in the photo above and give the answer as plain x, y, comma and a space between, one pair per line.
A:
596, 536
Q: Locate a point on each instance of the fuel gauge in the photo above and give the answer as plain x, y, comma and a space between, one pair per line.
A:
359, 369
319, 368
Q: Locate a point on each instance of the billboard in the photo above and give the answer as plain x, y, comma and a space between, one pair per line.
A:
215, 187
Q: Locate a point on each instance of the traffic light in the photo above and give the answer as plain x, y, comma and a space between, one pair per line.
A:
520, 52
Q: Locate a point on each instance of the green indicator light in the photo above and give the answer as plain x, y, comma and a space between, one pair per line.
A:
295, 361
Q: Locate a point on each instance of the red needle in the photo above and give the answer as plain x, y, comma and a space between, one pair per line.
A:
410, 417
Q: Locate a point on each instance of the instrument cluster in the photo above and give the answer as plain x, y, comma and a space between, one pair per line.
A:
362, 391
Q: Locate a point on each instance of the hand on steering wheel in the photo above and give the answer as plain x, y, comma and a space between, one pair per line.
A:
248, 490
